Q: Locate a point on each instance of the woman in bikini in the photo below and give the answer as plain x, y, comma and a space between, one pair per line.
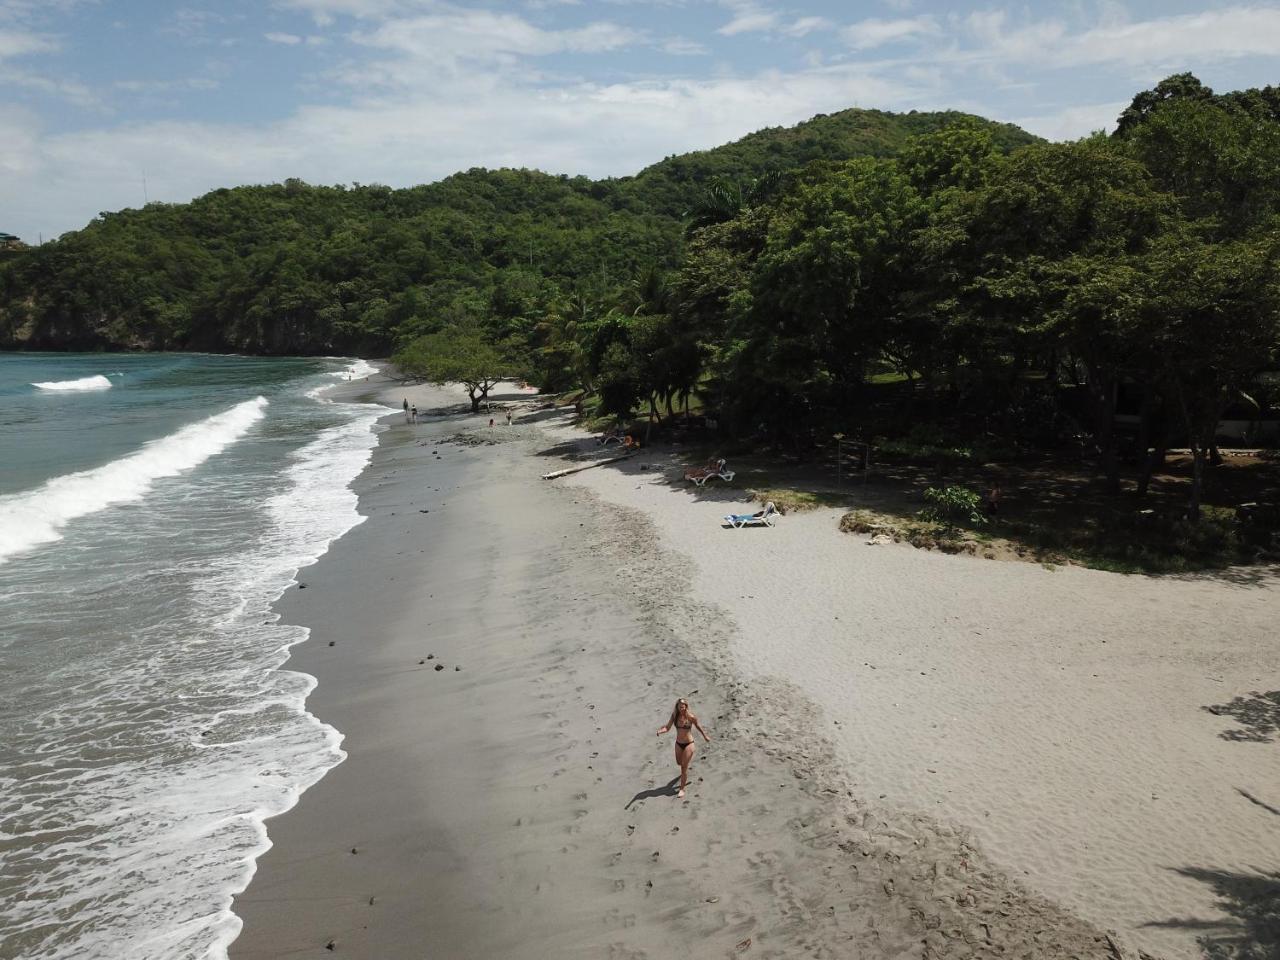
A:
685, 723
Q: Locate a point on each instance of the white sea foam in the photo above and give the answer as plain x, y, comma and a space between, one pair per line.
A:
358, 370
38, 516
317, 507
98, 382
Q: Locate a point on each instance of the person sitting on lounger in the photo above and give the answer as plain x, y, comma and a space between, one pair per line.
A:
761, 518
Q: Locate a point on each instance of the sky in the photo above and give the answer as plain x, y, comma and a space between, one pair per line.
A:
106, 105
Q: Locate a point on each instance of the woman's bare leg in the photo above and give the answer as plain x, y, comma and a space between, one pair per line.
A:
684, 756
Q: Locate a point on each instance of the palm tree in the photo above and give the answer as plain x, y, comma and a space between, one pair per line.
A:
723, 199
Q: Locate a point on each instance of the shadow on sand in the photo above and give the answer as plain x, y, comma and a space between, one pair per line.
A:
1253, 902
1257, 713
666, 790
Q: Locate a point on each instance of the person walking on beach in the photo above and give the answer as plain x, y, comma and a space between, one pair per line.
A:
406, 402
685, 722
508, 418
413, 414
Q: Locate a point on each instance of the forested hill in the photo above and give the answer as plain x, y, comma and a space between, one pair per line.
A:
294, 268
674, 184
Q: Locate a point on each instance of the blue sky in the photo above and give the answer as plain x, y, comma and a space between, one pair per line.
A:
203, 95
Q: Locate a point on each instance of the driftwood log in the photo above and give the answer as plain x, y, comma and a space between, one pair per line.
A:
585, 466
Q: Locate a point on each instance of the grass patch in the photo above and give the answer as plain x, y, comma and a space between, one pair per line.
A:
929, 443
790, 500
1131, 541
925, 534
1119, 541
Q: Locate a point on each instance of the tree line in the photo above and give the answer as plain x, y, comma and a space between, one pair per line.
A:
1009, 289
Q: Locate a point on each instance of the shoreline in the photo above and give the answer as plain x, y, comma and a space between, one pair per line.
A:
485, 805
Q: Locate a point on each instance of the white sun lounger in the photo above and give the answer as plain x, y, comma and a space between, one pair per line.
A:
717, 472
763, 518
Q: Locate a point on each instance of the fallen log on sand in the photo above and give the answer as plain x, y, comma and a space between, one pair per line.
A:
586, 466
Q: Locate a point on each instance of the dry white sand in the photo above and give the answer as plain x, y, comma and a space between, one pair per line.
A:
1057, 713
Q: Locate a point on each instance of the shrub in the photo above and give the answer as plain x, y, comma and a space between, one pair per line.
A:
953, 506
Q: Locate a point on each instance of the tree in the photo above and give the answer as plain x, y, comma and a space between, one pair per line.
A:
724, 199
962, 157
455, 356
823, 292
1222, 164
1052, 238
1215, 317
1180, 86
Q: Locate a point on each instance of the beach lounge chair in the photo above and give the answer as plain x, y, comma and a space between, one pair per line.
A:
699, 474
761, 518
715, 469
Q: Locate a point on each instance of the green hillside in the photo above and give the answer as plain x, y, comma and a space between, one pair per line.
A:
672, 184
295, 268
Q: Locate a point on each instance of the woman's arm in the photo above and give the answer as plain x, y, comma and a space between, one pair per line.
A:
662, 730
700, 730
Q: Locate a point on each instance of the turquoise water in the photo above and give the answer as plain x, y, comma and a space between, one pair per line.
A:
151, 509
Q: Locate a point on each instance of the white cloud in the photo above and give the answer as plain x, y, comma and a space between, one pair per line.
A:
293, 39
325, 12
1073, 122
683, 47
484, 35
1213, 35
166, 86
20, 132
19, 43
62, 88
19, 10
748, 16
805, 26
867, 34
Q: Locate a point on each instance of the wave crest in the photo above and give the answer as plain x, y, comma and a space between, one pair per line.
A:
98, 382
37, 516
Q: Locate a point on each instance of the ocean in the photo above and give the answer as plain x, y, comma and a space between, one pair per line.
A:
152, 507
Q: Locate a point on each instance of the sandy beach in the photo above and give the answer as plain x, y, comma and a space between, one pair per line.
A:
914, 755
